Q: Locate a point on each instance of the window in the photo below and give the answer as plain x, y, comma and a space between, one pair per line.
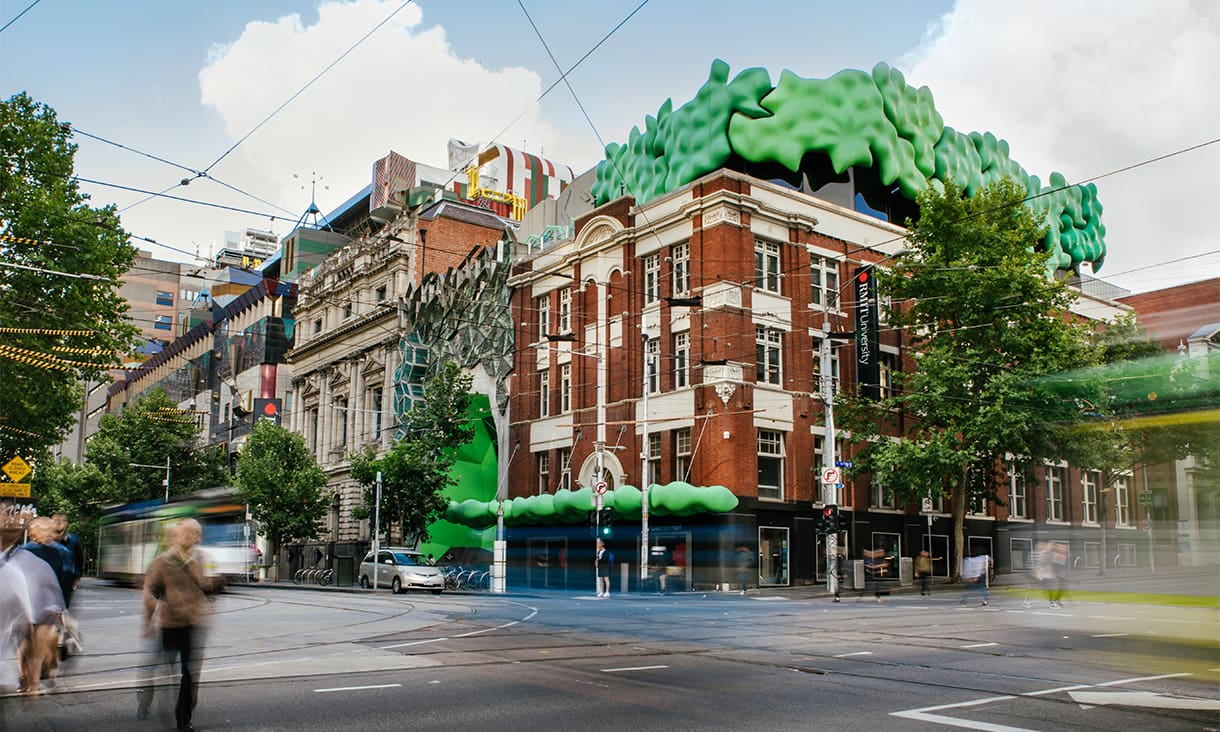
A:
375, 399
888, 367
824, 279
817, 366
770, 464
1090, 480
766, 266
544, 393
654, 458
565, 310
544, 473
317, 326
681, 359
767, 341
163, 322
977, 505
681, 256
682, 454
1020, 552
565, 469
879, 495
1016, 493
652, 354
1122, 502
652, 278
544, 316
837, 493
312, 421
1054, 493
341, 413
379, 293
565, 387
165, 298
347, 310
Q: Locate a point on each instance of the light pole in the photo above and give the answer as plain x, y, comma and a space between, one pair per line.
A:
158, 467
377, 532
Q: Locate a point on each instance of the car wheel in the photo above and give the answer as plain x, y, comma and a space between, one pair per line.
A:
396, 586
437, 592
364, 581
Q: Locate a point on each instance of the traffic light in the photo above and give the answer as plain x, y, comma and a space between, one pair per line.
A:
828, 523
605, 518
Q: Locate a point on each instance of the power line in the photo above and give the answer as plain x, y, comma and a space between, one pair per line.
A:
18, 15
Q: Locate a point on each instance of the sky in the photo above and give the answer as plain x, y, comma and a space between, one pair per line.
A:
271, 99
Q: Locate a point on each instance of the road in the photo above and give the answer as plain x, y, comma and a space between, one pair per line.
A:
302, 659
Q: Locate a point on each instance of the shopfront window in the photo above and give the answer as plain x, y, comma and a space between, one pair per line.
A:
772, 556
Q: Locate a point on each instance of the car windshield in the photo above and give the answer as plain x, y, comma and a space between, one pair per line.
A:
410, 560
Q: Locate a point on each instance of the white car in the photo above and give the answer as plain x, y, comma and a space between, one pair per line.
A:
401, 569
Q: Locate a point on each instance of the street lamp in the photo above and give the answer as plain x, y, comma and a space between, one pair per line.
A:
158, 467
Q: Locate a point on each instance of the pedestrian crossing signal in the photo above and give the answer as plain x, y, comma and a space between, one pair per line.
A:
828, 520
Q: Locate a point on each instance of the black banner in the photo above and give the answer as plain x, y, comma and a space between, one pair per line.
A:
868, 351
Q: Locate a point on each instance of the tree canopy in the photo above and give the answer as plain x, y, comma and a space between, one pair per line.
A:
279, 478
62, 321
415, 472
984, 323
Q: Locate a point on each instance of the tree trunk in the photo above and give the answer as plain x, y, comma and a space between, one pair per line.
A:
958, 505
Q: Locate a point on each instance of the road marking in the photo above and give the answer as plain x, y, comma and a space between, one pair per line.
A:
632, 668
980, 645
857, 653
356, 688
1056, 690
1111, 635
1143, 678
922, 715
1145, 699
413, 643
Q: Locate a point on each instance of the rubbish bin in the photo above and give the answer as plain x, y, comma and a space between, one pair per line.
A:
855, 574
906, 571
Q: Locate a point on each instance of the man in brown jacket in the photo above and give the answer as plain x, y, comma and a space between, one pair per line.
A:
175, 600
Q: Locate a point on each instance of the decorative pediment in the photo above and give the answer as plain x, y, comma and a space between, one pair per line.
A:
597, 231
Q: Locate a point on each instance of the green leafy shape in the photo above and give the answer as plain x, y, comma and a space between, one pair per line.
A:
913, 114
957, 158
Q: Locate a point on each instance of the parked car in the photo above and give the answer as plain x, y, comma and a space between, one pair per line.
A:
401, 569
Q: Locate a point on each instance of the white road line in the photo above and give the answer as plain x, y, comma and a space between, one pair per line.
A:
857, 653
1111, 635
1056, 690
356, 688
632, 668
979, 645
413, 643
922, 715
1142, 678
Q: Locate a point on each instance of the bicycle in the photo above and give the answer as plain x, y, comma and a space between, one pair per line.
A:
325, 576
298, 577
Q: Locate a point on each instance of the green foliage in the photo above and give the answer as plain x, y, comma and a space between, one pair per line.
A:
418, 468
77, 491
55, 230
985, 323
147, 431
279, 478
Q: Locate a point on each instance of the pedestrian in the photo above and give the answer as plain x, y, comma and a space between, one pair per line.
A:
874, 567
745, 566
75, 569
974, 576
923, 570
1058, 573
603, 563
38, 652
175, 603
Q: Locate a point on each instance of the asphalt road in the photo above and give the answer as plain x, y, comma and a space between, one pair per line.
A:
301, 659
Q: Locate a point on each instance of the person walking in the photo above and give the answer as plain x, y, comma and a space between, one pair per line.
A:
603, 563
175, 602
1059, 562
974, 575
923, 570
745, 567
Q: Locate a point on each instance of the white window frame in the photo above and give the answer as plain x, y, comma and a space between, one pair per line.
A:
1090, 491
683, 453
652, 278
766, 265
544, 317
681, 359
654, 458
1122, 502
565, 388
1017, 494
565, 310
544, 472
1056, 480
824, 282
544, 393
879, 496
771, 447
680, 253
565, 467
817, 366
652, 357
769, 350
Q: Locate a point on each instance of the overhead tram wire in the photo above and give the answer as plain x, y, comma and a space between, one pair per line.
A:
18, 15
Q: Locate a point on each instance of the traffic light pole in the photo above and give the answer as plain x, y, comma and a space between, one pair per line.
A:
828, 454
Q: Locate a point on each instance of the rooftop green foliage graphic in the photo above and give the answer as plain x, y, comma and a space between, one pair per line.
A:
571, 507
818, 129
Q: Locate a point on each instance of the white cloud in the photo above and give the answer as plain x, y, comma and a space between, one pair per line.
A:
402, 89
1086, 88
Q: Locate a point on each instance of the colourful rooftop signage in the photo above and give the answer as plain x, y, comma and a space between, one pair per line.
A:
817, 129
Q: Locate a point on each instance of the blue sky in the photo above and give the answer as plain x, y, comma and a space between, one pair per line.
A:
1077, 86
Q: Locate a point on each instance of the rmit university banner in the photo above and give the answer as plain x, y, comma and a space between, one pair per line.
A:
868, 353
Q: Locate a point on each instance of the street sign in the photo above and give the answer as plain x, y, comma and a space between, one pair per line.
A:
600, 487
832, 476
16, 469
926, 505
16, 490
845, 464
1146, 498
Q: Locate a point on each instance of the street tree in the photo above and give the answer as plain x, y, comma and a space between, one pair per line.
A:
985, 321
280, 480
416, 470
148, 432
62, 321
76, 490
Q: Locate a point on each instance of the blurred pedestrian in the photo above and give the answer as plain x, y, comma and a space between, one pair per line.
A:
874, 567
1060, 561
38, 650
745, 566
974, 576
175, 603
603, 563
923, 570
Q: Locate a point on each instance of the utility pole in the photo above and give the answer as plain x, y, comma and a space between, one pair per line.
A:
158, 467
377, 532
644, 548
829, 457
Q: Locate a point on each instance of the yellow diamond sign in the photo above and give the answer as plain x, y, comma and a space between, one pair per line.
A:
16, 469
